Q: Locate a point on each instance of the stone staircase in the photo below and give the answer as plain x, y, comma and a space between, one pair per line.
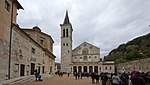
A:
23, 79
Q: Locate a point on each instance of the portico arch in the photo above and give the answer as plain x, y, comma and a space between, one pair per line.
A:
90, 69
85, 69
74, 69
96, 69
79, 69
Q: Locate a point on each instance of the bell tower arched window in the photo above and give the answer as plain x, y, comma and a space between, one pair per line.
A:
63, 32
66, 32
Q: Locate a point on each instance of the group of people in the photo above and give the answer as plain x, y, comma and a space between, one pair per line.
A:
78, 75
37, 75
135, 78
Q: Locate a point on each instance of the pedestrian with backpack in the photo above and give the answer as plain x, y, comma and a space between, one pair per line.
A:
124, 79
115, 79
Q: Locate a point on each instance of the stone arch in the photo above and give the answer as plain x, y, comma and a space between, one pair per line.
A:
96, 69
63, 32
66, 32
90, 69
85, 69
79, 69
74, 69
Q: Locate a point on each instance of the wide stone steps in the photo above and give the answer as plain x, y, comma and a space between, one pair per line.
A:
22, 79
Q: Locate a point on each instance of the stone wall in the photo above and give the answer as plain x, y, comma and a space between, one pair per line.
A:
4, 53
140, 65
22, 54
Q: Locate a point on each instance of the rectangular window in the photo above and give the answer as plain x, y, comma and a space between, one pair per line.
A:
33, 51
7, 6
42, 42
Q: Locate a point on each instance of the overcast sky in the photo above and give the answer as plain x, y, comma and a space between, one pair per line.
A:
103, 23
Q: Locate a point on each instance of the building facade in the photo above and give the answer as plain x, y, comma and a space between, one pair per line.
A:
57, 67
84, 58
45, 41
22, 50
8, 11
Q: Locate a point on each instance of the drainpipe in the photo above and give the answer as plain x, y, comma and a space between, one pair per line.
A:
10, 44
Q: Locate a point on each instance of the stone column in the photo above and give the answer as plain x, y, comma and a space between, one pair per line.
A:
82, 69
88, 69
93, 68
77, 69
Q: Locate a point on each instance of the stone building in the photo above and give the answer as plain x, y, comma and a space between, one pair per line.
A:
57, 67
22, 50
8, 11
84, 58
45, 41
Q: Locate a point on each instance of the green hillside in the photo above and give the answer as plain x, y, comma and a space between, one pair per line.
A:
135, 49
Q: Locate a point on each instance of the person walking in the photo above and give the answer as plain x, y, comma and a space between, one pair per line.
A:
97, 78
138, 79
93, 77
76, 75
36, 74
124, 79
104, 78
68, 74
115, 79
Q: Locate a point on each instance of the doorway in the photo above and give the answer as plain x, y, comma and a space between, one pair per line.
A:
22, 69
32, 68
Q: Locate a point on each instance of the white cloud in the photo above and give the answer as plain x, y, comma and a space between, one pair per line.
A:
104, 23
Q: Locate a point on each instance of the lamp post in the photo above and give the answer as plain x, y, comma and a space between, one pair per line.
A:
10, 39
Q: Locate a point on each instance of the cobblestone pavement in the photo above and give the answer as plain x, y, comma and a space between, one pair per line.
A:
60, 81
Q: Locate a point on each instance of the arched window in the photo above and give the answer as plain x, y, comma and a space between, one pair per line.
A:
66, 32
63, 32
85, 51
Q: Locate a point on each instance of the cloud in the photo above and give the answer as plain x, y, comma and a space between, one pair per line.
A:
104, 23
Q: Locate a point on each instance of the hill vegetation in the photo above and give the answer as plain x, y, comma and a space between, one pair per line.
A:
135, 49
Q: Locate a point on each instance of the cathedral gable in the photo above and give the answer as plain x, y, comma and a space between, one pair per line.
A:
85, 49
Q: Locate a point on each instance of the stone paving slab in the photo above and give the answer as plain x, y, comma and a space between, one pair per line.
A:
56, 80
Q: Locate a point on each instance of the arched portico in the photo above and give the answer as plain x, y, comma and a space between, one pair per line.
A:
96, 69
79, 69
90, 69
74, 69
85, 69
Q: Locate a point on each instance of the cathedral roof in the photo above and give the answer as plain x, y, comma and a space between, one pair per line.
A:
66, 20
84, 43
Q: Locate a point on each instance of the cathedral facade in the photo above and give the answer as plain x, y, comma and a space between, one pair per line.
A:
84, 58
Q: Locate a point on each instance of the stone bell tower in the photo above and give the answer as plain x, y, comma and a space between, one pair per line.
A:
66, 45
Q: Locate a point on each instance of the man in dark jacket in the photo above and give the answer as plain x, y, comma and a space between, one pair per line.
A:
104, 78
124, 79
93, 77
138, 79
